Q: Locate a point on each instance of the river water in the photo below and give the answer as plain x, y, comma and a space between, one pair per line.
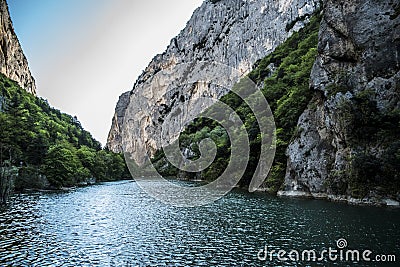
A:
117, 224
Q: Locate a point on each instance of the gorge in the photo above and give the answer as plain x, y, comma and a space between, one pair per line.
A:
329, 71
344, 145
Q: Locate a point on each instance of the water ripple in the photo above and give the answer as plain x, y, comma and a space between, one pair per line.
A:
116, 224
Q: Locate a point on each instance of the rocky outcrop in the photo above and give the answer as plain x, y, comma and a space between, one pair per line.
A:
233, 33
13, 62
114, 140
345, 136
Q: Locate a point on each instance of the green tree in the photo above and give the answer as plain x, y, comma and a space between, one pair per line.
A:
62, 165
87, 156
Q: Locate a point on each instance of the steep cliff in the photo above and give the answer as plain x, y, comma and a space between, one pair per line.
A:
13, 62
234, 33
114, 140
347, 143
283, 77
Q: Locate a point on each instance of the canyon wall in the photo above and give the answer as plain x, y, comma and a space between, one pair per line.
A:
233, 33
347, 140
13, 62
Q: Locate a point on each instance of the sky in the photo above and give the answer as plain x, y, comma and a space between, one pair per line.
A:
84, 54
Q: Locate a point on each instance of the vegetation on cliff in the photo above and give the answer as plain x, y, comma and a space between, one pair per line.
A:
49, 148
372, 134
284, 78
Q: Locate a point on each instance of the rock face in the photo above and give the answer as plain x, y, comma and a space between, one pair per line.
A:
13, 62
355, 75
235, 33
114, 142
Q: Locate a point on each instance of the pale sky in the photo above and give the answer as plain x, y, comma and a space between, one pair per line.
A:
85, 53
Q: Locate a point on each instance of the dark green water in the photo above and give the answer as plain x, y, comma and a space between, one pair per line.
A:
117, 224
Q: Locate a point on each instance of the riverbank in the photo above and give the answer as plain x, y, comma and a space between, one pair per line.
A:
375, 201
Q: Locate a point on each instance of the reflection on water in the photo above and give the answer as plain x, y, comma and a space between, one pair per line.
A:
117, 224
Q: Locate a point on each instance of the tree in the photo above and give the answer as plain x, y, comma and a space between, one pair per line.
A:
62, 165
87, 156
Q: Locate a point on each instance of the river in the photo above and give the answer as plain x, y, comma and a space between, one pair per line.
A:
117, 224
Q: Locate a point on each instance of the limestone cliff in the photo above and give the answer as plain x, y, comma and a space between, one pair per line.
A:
235, 33
13, 62
114, 137
347, 145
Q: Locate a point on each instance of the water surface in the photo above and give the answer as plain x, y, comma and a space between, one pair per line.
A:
117, 224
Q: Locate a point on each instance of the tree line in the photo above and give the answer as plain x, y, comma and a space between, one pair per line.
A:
43, 148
